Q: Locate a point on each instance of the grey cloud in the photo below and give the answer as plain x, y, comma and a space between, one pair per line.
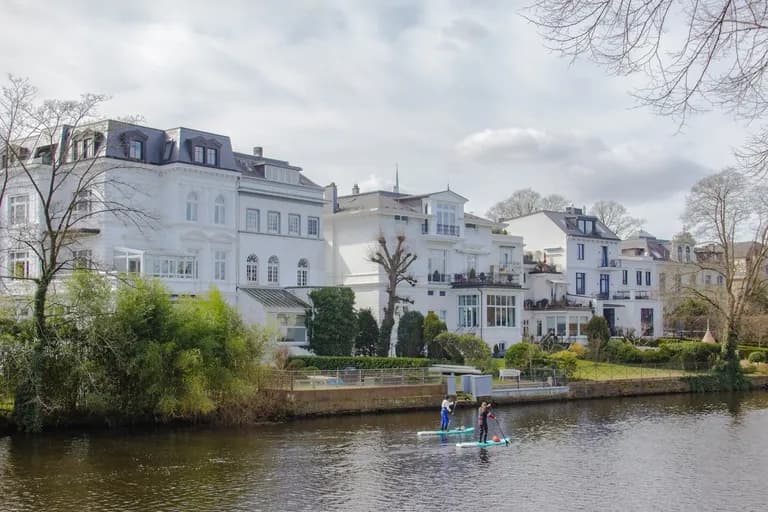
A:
466, 30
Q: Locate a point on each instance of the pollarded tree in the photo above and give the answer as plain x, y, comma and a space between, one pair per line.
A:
334, 321
396, 264
367, 333
410, 335
720, 209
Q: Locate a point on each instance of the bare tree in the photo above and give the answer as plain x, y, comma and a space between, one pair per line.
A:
615, 216
720, 209
526, 201
395, 264
57, 186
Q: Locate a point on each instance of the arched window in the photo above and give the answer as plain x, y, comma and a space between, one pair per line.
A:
192, 203
302, 272
680, 253
687, 253
252, 268
273, 270
219, 212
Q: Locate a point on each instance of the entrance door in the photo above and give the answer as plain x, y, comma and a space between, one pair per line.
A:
610, 316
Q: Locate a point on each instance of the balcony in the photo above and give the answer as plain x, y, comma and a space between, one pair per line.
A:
483, 279
644, 295
448, 229
622, 295
546, 304
606, 263
437, 277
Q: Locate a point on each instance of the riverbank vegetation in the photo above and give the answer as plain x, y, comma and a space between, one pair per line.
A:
131, 355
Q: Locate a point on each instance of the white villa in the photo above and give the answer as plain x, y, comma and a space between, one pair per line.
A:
246, 224
576, 270
468, 273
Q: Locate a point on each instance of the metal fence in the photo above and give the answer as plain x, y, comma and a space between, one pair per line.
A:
534, 378
352, 377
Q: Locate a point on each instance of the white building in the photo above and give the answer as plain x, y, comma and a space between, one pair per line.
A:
468, 274
576, 270
248, 225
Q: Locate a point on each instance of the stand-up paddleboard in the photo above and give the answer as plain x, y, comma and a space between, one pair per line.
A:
454, 431
478, 444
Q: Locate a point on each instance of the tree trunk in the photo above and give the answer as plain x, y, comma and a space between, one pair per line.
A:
41, 296
385, 334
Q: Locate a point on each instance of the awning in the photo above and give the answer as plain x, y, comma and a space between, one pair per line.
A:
276, 298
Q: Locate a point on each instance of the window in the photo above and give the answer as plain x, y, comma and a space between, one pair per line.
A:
586, 226
604, 255
192, 203
471, 263
468, 310
639, 277
169, 267
18, 210
401, 218
687, 253
252, 220
273, 222
680, 253
647, 279
273, 270
211, 156
442, 314
18, 264
252, 268
580, 283
442, 293
136, 150
625, 277
84, 201
313, 227
219, 211
430, 292
446, 219
720, 281
605, 286
561, 324
282, 175
646, 321
573, 326
302, 272
436, 266
500, 311
294, 224
87, 148
220, 266
678, 282
708, 279
82, 258
580, 251
198, 155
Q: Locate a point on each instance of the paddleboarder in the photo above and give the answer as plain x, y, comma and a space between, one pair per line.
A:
445, 412
482, 420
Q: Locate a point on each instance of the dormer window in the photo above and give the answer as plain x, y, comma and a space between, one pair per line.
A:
211, 156
586, 226
136, 150
199, 155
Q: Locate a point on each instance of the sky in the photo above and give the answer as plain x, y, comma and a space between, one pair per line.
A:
454, 94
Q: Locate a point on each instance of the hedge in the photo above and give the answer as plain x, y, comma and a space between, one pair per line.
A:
747, 350
361, 362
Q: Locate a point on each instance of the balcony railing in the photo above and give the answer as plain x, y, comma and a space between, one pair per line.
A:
448, 229
546, 304
644, 295
437, 277
606, 263
483, 279
603, 296
622, 295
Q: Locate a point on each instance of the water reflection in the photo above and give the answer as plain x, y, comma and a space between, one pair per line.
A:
630, 454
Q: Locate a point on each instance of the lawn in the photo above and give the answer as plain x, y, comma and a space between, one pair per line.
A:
589, 370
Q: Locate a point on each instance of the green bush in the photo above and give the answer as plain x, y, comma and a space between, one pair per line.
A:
747, 350
333, 321
361, 363
522, 355
621, 351
654, 356
757, 357
565, 361
464, 348
691, 354
410, 335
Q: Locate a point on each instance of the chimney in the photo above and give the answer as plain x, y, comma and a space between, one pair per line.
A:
258, 151
331, 196
355, 189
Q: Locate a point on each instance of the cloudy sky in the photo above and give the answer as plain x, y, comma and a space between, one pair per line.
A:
455, 93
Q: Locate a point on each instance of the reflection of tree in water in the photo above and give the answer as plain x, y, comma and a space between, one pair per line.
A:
117, 470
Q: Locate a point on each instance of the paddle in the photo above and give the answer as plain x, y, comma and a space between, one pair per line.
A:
506, 441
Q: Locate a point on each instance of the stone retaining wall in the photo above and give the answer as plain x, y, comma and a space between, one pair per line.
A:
365, 399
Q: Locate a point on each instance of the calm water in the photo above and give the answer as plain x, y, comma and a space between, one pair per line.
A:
671, 453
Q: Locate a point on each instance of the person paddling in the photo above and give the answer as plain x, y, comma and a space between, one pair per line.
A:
445, 411
482, 419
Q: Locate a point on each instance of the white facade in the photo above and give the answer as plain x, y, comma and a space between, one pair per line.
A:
470, 277
579, 272
201, 227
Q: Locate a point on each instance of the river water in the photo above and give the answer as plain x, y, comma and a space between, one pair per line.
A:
672, 453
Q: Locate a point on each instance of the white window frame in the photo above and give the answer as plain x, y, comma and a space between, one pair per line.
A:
313, 227
273, 270
252, 220
302, 272
273, 222
198, 154
173, 267
19, 260
252, 268
82, 258
211, 156
84, 201
192, 208
502, 308
469, 311
220, 211
18, 209
220, 265
136, 150
294, 224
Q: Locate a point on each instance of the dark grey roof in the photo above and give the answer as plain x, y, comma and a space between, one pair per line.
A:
276, 298
567, 222
381, 200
